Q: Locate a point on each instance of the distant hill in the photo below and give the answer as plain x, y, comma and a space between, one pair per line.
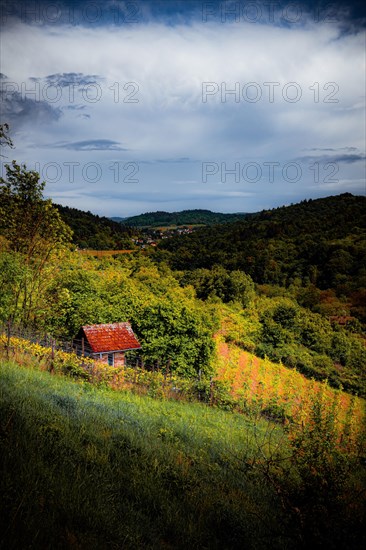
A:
96, 232
185, 217
316, 244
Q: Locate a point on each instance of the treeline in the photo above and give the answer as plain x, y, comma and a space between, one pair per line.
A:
96, 232
185, 217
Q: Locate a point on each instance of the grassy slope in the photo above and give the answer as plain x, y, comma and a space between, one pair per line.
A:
144, 473
89, 468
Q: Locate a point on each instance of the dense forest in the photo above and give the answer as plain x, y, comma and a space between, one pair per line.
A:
96, 232
185, 217
318, 246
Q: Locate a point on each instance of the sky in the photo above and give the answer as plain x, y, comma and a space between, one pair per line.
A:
126, 107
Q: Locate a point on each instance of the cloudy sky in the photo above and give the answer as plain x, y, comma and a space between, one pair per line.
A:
136, 106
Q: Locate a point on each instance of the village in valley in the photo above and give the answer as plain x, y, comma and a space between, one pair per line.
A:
152, 236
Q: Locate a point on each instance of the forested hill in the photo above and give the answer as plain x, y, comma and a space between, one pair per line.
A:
185, 217
96, 232
322, 242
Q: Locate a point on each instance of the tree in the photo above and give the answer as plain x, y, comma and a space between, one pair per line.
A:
241, 288
176, 332
12, 272
33, 230
31, 224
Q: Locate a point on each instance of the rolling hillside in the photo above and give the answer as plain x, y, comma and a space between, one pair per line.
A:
95, 232
185, 217
316, 244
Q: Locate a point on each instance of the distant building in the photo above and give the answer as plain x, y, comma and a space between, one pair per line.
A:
107, 342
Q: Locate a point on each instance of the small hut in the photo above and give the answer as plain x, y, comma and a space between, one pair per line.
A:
108, 342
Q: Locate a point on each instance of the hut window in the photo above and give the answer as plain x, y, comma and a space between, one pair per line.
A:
111, 359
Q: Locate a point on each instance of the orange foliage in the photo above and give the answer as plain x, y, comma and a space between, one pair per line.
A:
259, 382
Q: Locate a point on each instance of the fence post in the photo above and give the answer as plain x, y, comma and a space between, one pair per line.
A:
8, 340
52, 368
82, 347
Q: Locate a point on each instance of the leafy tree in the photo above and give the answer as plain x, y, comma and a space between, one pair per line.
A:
30, 223
12, 273
34, 231
285, 315
241, 288
234, 286
176, 334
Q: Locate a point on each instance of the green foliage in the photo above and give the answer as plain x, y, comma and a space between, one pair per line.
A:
186, 217
308, 247
81, 466
30, 224
278, 328
33, 237
94, 466
12, 273
219, 283
175, 334
324, 477
175, 329
59, 293
96, 232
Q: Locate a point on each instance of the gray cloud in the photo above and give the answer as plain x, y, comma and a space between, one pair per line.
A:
20, 111
74, 107
175, 160
324, 159
331, 149
68, 79
89, 145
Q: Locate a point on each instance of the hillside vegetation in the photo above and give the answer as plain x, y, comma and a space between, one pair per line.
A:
185, 217
147, 474
308, 306
317, 242
95, 232
154, 474
175, 313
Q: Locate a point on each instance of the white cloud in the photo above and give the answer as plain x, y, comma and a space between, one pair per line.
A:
167, 66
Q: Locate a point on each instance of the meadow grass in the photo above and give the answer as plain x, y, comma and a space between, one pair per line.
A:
84, 466
90, 468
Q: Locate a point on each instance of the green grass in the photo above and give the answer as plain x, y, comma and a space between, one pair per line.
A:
89, 468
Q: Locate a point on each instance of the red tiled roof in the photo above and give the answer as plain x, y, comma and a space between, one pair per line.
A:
110, 337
